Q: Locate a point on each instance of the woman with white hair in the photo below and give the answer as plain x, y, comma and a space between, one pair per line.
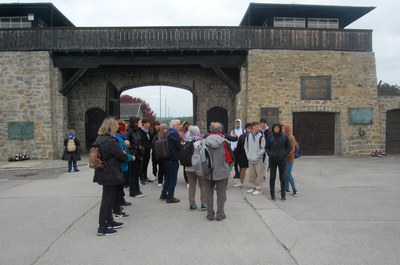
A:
194, 138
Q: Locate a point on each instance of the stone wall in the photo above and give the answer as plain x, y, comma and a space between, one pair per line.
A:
29, 93
90, 92
273, 80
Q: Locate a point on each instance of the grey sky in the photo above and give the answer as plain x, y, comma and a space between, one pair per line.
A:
384, 20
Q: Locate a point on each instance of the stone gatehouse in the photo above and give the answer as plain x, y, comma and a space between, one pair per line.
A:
323, 81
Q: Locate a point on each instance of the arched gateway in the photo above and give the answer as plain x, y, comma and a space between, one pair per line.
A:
271, 66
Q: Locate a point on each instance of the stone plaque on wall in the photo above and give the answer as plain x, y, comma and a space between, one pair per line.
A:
315, 88
20, 130
271, 114
360, 116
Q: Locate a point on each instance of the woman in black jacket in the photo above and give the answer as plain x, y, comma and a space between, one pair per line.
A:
110, 176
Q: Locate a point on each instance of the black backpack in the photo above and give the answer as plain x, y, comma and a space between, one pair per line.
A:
185, 157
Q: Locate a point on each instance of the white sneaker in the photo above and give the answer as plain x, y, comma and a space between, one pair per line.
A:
151, 178
250, 190
257, 192
140, 195
238, 185
187, 185
159, 185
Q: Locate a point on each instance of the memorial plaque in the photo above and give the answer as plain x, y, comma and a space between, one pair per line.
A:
20, 130
360, 116
270, 114
316, 88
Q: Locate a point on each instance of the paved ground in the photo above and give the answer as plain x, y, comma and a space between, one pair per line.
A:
348, 212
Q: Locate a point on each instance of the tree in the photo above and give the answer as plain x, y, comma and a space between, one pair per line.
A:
386, 89
148, 113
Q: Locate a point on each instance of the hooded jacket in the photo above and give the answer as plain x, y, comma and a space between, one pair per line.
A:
292, 140
238, 131
254, 147
219, 149
278, 145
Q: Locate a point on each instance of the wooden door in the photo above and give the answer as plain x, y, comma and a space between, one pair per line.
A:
93, 120
393, 131
315, 132
218, 114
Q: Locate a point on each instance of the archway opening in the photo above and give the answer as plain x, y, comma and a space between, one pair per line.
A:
165, 102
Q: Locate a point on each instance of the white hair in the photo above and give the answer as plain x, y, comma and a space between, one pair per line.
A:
194, 130
173, 122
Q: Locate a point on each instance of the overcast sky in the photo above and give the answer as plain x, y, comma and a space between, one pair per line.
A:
384, 21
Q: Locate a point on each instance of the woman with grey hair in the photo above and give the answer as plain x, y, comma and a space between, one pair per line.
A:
193, 137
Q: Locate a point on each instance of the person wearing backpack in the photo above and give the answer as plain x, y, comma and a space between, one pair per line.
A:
240, 155
193, 138
221, 156
287, 129
71, 152
254, 147
278, 148
111, 176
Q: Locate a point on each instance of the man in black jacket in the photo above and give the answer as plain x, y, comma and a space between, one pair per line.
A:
278, 148
146, 141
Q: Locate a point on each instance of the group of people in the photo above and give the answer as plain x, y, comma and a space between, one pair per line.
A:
126, 152
261, 149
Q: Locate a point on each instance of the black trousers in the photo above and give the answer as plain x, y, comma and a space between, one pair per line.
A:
154, 162
119, 198
161, 171
107, 200
133, 177
145, 164
281, 167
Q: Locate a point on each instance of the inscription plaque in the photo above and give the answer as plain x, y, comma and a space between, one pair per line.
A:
270, 114
20, 130
315, 88
358, 116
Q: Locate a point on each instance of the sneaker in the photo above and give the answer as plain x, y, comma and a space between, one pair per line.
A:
121, 215
162, 197
76, 170
204, 207
257, 192
140, 195
114, 225
237, 176
193, 207
210, 217
273, 197
238, 185
251, 190
173, 200
159, 185
287, 190
295, 194
283, 199
125, 203
105, 231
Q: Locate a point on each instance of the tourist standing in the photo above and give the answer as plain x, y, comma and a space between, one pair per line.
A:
110, 176
278, 148
236, 132
172, 162
222, 158
71, 152
254, 147
241, 156
287, 129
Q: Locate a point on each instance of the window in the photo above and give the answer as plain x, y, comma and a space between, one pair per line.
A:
323, 23
289, 22
15, 22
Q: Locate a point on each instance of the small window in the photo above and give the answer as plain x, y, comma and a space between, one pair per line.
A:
323, 23
289, 22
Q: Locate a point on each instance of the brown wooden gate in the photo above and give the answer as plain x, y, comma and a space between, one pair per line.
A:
393, 131
315, 132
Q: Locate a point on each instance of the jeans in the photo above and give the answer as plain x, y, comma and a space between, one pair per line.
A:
288, 176
70, 164
171, 177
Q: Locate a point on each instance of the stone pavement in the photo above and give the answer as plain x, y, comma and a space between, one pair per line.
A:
347, 212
